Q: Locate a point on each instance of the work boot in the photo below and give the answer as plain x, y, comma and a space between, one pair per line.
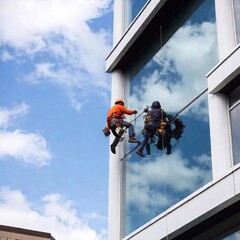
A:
133, 140
140, 153
169, 150
113, 149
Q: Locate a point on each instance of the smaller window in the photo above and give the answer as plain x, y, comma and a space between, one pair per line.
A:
234, 96
132, 9
234, 113
237, 17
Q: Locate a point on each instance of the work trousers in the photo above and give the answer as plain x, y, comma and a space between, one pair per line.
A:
126, 124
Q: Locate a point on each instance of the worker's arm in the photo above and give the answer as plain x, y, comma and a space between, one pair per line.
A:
127, 111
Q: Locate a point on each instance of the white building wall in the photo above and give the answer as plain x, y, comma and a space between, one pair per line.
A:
218, 78
224, 189
220, 135
225, 27
115, 167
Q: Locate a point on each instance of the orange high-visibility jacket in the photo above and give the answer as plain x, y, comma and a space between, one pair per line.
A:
118, 111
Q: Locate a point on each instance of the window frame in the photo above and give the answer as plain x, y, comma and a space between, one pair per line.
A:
230, 108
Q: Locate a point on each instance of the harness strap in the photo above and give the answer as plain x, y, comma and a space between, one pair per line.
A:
115, 120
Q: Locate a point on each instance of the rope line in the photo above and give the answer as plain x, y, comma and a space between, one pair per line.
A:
130, 152
161, 44
198, 96
163, 145
137, 117
174, 117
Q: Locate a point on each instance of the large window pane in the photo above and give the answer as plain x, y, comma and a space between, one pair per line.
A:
237, 17
132, 8
174, 76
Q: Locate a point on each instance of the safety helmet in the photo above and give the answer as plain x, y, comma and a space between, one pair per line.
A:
119, 100
156, 104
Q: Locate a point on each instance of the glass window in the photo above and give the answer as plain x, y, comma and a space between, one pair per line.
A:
175, 76
132, 8
234, 112
237, 17
233, 236
223, 226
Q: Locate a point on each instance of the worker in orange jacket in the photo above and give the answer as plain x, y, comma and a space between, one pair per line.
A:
115, 119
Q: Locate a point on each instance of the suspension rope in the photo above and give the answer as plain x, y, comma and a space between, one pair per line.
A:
162, 112
137, 117
130, 152
163, 133
198, 96
174, 117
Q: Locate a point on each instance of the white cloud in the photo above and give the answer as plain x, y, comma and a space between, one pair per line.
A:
204, 160
60, 30
55, 215
186, 59
156, 184
30, 148
94, 216
6, 56
26, 23
8, 115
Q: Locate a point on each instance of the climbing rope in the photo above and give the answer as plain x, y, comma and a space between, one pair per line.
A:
174, 118
163, 146
137, 116
130, 152
198, 96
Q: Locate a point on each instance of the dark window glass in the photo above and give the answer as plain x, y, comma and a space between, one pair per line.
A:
234, 96
234, 112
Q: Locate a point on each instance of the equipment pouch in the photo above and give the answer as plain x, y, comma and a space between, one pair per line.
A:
106, 131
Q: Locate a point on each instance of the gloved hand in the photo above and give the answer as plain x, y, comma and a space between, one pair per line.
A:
145, 110
134, 111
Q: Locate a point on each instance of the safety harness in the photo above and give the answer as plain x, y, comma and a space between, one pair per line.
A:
118, 123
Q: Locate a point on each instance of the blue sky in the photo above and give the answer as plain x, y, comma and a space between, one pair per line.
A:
54, 96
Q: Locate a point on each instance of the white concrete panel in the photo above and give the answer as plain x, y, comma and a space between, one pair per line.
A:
114, 189
118, 24
222, 74
237, 180
201, 204
225, 27
154, 231
220, 135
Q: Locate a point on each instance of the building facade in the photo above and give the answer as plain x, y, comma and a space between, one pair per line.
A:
186, 55
14, 233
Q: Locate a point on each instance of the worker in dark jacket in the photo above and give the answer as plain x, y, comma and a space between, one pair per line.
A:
156, 123
115, 119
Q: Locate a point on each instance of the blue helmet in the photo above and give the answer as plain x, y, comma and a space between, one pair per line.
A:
156, 104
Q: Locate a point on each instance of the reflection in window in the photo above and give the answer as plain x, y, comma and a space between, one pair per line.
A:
237, 18
132, 8
230, 233
234, 236
174, 76
234, 111
222, 228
